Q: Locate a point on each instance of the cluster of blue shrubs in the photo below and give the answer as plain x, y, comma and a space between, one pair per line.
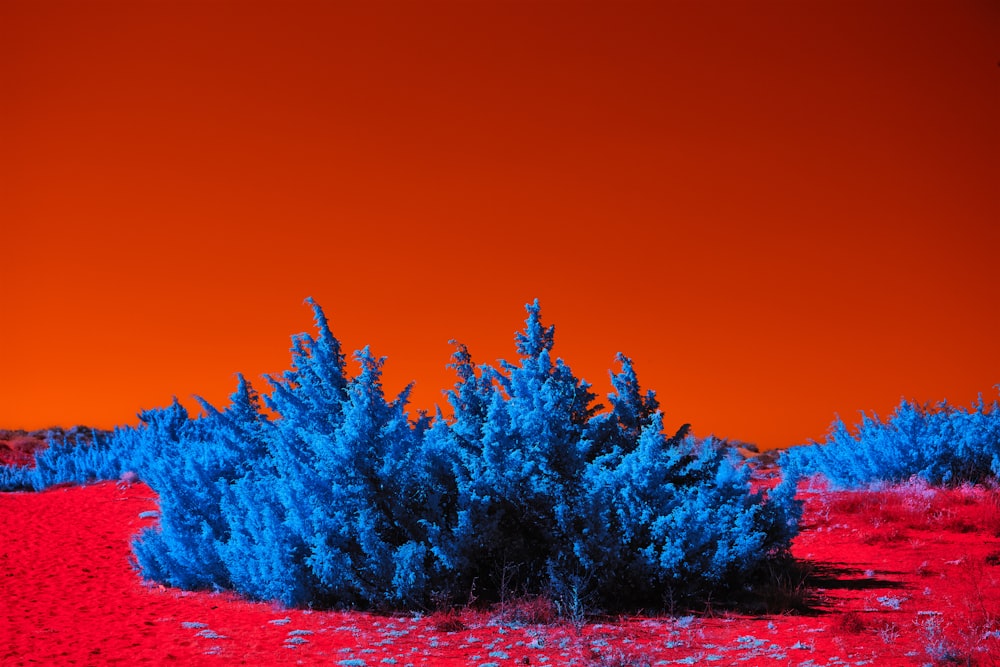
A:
335, 496
941, 444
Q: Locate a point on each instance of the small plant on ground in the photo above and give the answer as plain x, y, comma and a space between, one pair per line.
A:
937, 645
616, 658
448, 621
527, 610
851, 623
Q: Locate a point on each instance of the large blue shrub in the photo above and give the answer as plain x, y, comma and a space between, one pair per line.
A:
335, 496
941, 444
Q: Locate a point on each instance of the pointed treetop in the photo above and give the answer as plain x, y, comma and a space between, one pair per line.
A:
461, 361
369, 363
322, 324
627, 389
535, 337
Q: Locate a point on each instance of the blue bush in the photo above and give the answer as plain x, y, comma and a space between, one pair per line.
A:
941, 444
336, 496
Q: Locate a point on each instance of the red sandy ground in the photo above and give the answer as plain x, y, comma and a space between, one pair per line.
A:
906, 576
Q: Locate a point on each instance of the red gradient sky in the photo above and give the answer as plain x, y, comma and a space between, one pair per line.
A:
779, 210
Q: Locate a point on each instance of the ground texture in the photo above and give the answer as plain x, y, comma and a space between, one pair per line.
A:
903, 576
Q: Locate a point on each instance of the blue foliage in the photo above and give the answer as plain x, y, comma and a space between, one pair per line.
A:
335, 496
68, 461
941, 444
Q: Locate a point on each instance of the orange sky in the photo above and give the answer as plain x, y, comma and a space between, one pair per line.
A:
779, 210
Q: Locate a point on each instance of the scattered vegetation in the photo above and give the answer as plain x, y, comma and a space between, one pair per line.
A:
887, 513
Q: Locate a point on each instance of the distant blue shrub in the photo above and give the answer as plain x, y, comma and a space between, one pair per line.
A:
68, 459
941, 444
326, 493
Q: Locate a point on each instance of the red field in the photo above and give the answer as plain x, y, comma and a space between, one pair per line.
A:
906, 576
